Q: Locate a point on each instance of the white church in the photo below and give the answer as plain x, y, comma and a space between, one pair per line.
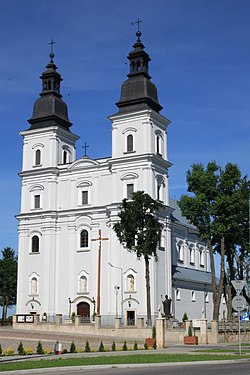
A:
69, 257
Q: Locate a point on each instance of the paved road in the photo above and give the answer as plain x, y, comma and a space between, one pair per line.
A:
205, 368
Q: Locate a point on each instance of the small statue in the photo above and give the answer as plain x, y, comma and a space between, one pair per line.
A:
167, 306
159, 311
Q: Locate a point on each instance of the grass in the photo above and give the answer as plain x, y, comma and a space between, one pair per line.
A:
115, 360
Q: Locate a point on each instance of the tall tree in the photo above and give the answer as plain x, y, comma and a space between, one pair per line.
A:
140, 231
216, 209
8, 280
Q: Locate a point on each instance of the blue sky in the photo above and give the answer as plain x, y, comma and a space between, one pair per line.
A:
200, 51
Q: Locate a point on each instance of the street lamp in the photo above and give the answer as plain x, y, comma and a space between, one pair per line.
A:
121, 270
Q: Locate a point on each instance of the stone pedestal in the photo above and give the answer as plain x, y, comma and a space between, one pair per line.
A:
203, 331
77, 320
58, 319
36, 318
118, 323
98, 321
214, 331
140, 322
160, 332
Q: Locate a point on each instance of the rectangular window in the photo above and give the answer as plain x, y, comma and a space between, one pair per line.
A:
85, 197
130, 190
37, 201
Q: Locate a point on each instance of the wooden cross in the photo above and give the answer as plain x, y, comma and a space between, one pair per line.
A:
138, 23
52, 46
85, 148
100, 239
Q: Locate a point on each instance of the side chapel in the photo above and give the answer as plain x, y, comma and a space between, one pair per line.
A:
69, 258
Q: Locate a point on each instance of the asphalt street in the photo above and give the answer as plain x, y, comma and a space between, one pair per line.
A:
198, 368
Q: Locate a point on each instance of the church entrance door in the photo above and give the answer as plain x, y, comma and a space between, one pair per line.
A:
131, 318
83, 309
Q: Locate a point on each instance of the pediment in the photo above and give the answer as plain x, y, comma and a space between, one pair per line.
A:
83, 163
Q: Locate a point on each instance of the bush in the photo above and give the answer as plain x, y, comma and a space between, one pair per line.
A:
39, 348
9, 351
87, 347
101, 347
65, 351
48, 351
1, 350
125, 346
185, 317
72, 348
28, 350
135, 346
113, 347
146, 346
20, 349
154, 345
190, 331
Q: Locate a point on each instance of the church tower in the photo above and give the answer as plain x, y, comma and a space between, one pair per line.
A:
48, 147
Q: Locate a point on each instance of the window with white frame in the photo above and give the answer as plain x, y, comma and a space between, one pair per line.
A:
193, 296
37, 154
178, 295
38, 157
84, 239
84, 193
130, 190
66, 155
85, 197
202, 257
191, 255
35, 246
36, 196
160, 185
180, 251
37, 201
206, 297
130, 143
158, 142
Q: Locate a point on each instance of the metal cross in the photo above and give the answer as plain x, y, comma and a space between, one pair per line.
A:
138, 23
99, 239
52, 46
85, 148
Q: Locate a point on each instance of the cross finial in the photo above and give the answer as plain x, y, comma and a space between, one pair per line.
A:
52, 55
138, 33
85, 148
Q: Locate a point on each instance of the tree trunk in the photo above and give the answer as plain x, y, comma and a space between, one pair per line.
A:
148, 291
229, 302
217, 289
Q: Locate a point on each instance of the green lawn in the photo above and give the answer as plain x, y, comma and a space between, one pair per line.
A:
114, 360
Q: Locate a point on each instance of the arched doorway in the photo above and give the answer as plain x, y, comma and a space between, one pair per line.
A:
83, 309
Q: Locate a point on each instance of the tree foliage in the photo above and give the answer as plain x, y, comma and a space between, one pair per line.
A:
8, 280
219, 207
139, 231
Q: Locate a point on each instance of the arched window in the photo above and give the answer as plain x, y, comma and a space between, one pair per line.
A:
193, 296
180, 247
34, 286
35, 244
130, 283
192, 255
178, 295
38, 157
158, 144
202, 257
84, 238
65, 157
130, 143
83, 284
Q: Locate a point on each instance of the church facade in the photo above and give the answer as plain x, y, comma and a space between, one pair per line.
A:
69, 258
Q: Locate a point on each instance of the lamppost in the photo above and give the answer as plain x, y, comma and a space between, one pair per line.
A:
116, 301
69, 299
121, 270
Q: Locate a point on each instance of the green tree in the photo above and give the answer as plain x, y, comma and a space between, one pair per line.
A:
216, 209
8, 280
139, 231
